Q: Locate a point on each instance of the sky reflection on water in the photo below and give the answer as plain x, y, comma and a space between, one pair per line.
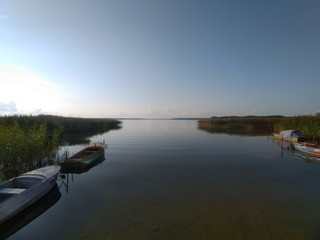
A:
168, 180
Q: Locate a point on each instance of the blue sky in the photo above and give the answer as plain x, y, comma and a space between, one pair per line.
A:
159, 58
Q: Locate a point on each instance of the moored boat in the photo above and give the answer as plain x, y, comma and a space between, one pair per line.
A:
84, 159
20, 192
290, 136
306, 157
29, 214
79, 170
309, 148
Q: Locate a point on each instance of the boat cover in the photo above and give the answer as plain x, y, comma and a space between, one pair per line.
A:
290, 133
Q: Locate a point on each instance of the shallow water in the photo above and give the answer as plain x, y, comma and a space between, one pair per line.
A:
165, 179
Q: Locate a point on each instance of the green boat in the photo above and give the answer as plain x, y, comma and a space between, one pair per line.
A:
85, 158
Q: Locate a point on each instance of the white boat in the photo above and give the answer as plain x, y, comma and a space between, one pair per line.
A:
20, 192
289, 135
23, 218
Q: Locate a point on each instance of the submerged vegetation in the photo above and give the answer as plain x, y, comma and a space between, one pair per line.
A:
27, 142
265, 125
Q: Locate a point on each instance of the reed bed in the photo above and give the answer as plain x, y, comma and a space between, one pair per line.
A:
266, 125
28, 142
23, 149
308, 125
248, 125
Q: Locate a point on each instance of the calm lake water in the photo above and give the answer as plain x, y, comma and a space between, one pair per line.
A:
165, 179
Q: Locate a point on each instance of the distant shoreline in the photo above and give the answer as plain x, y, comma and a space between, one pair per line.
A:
204, 118
120, 119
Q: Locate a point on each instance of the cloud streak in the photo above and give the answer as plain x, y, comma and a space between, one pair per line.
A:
3, 16
29, 91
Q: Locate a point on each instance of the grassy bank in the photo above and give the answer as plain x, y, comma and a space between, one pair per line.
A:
71, 130
308, 125
266, 125
23, 149
28, 142
248, 125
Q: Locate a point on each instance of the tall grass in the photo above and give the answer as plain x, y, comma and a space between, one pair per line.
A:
308, 125
254, 125
28, 142
24, 149
249, 125
70, 129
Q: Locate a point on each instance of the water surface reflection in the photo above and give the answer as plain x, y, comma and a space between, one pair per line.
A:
168, 180
29, 214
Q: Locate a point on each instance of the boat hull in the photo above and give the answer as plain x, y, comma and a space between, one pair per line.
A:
88, 160
18, 202
290, 139
26, 216
289, 136
308, 148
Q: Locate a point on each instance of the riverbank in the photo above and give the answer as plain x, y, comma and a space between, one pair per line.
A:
234, 125
262, 125
28, 142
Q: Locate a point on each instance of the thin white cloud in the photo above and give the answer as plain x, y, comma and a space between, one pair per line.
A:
38, 111
30, 91
167, 110
6, 108
253, 112
41, 84
3, 16
154, 112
